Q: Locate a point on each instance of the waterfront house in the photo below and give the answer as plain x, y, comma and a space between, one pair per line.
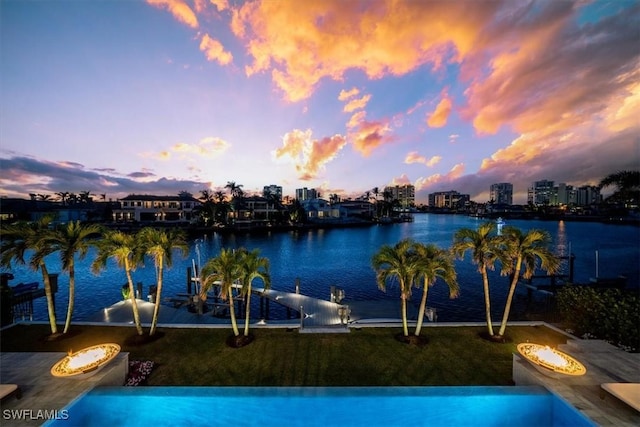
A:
253, 211
156, 209
319, 210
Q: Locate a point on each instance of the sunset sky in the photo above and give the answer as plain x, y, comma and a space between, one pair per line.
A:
157, 97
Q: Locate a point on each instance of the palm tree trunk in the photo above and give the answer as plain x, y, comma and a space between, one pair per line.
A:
512, 289
156, 307
487, 300
132, 295
49, 294
232, 311
423, 305
72, 295
247, 309
403, 309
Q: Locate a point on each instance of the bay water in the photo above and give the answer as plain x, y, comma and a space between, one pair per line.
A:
341, 257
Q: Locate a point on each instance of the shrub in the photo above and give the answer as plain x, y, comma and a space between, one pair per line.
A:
609, 314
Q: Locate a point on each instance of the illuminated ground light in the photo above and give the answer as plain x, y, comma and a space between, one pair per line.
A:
547, 359
86, 361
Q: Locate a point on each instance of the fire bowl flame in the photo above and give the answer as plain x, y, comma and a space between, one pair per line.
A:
86, 361
547, 360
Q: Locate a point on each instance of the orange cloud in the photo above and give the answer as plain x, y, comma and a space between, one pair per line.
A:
221, 5
439, 117
179, 9
214, 51
356, 104
346, 94
309, 155
307, 41
209, 147
356, 119
414, 157
370, 135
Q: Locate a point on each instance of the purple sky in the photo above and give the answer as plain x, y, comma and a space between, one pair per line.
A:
157, 97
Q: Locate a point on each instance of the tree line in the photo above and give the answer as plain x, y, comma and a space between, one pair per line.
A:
416, 265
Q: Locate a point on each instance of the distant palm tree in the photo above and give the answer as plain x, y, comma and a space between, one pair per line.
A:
397, 263
125, 250
85, 196
74, 238
252, 266
219, 196
433, 263
160, 244
63, 196
525, 248
485, 251
16, 240
223, 270
234, 189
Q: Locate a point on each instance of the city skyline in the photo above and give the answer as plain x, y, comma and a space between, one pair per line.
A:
165, 96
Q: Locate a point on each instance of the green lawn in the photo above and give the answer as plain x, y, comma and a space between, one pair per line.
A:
280, 357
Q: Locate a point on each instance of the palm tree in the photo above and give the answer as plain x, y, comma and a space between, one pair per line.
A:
433, 263
74, 238
16, 239
525, 248
393, 263
252, 266
627, 184
234, 189
223, 270
125, 250
485, 250
160, 244
63, 195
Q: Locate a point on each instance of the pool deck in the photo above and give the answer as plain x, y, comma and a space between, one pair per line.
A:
605, 363
42, 392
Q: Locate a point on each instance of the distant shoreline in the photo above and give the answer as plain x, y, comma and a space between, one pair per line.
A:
321, 225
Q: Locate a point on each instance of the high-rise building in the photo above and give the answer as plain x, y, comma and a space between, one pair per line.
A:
541, 193
405, 194
274, 191
588, 195
564, 194
501, 193
448, 199
306, 194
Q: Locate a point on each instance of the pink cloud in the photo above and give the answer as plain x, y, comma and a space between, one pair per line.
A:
414, 157
438, 179
401, 180
370, 135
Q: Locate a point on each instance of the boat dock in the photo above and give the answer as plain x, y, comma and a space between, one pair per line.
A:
312, 314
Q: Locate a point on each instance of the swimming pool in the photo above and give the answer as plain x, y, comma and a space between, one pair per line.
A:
322, 406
